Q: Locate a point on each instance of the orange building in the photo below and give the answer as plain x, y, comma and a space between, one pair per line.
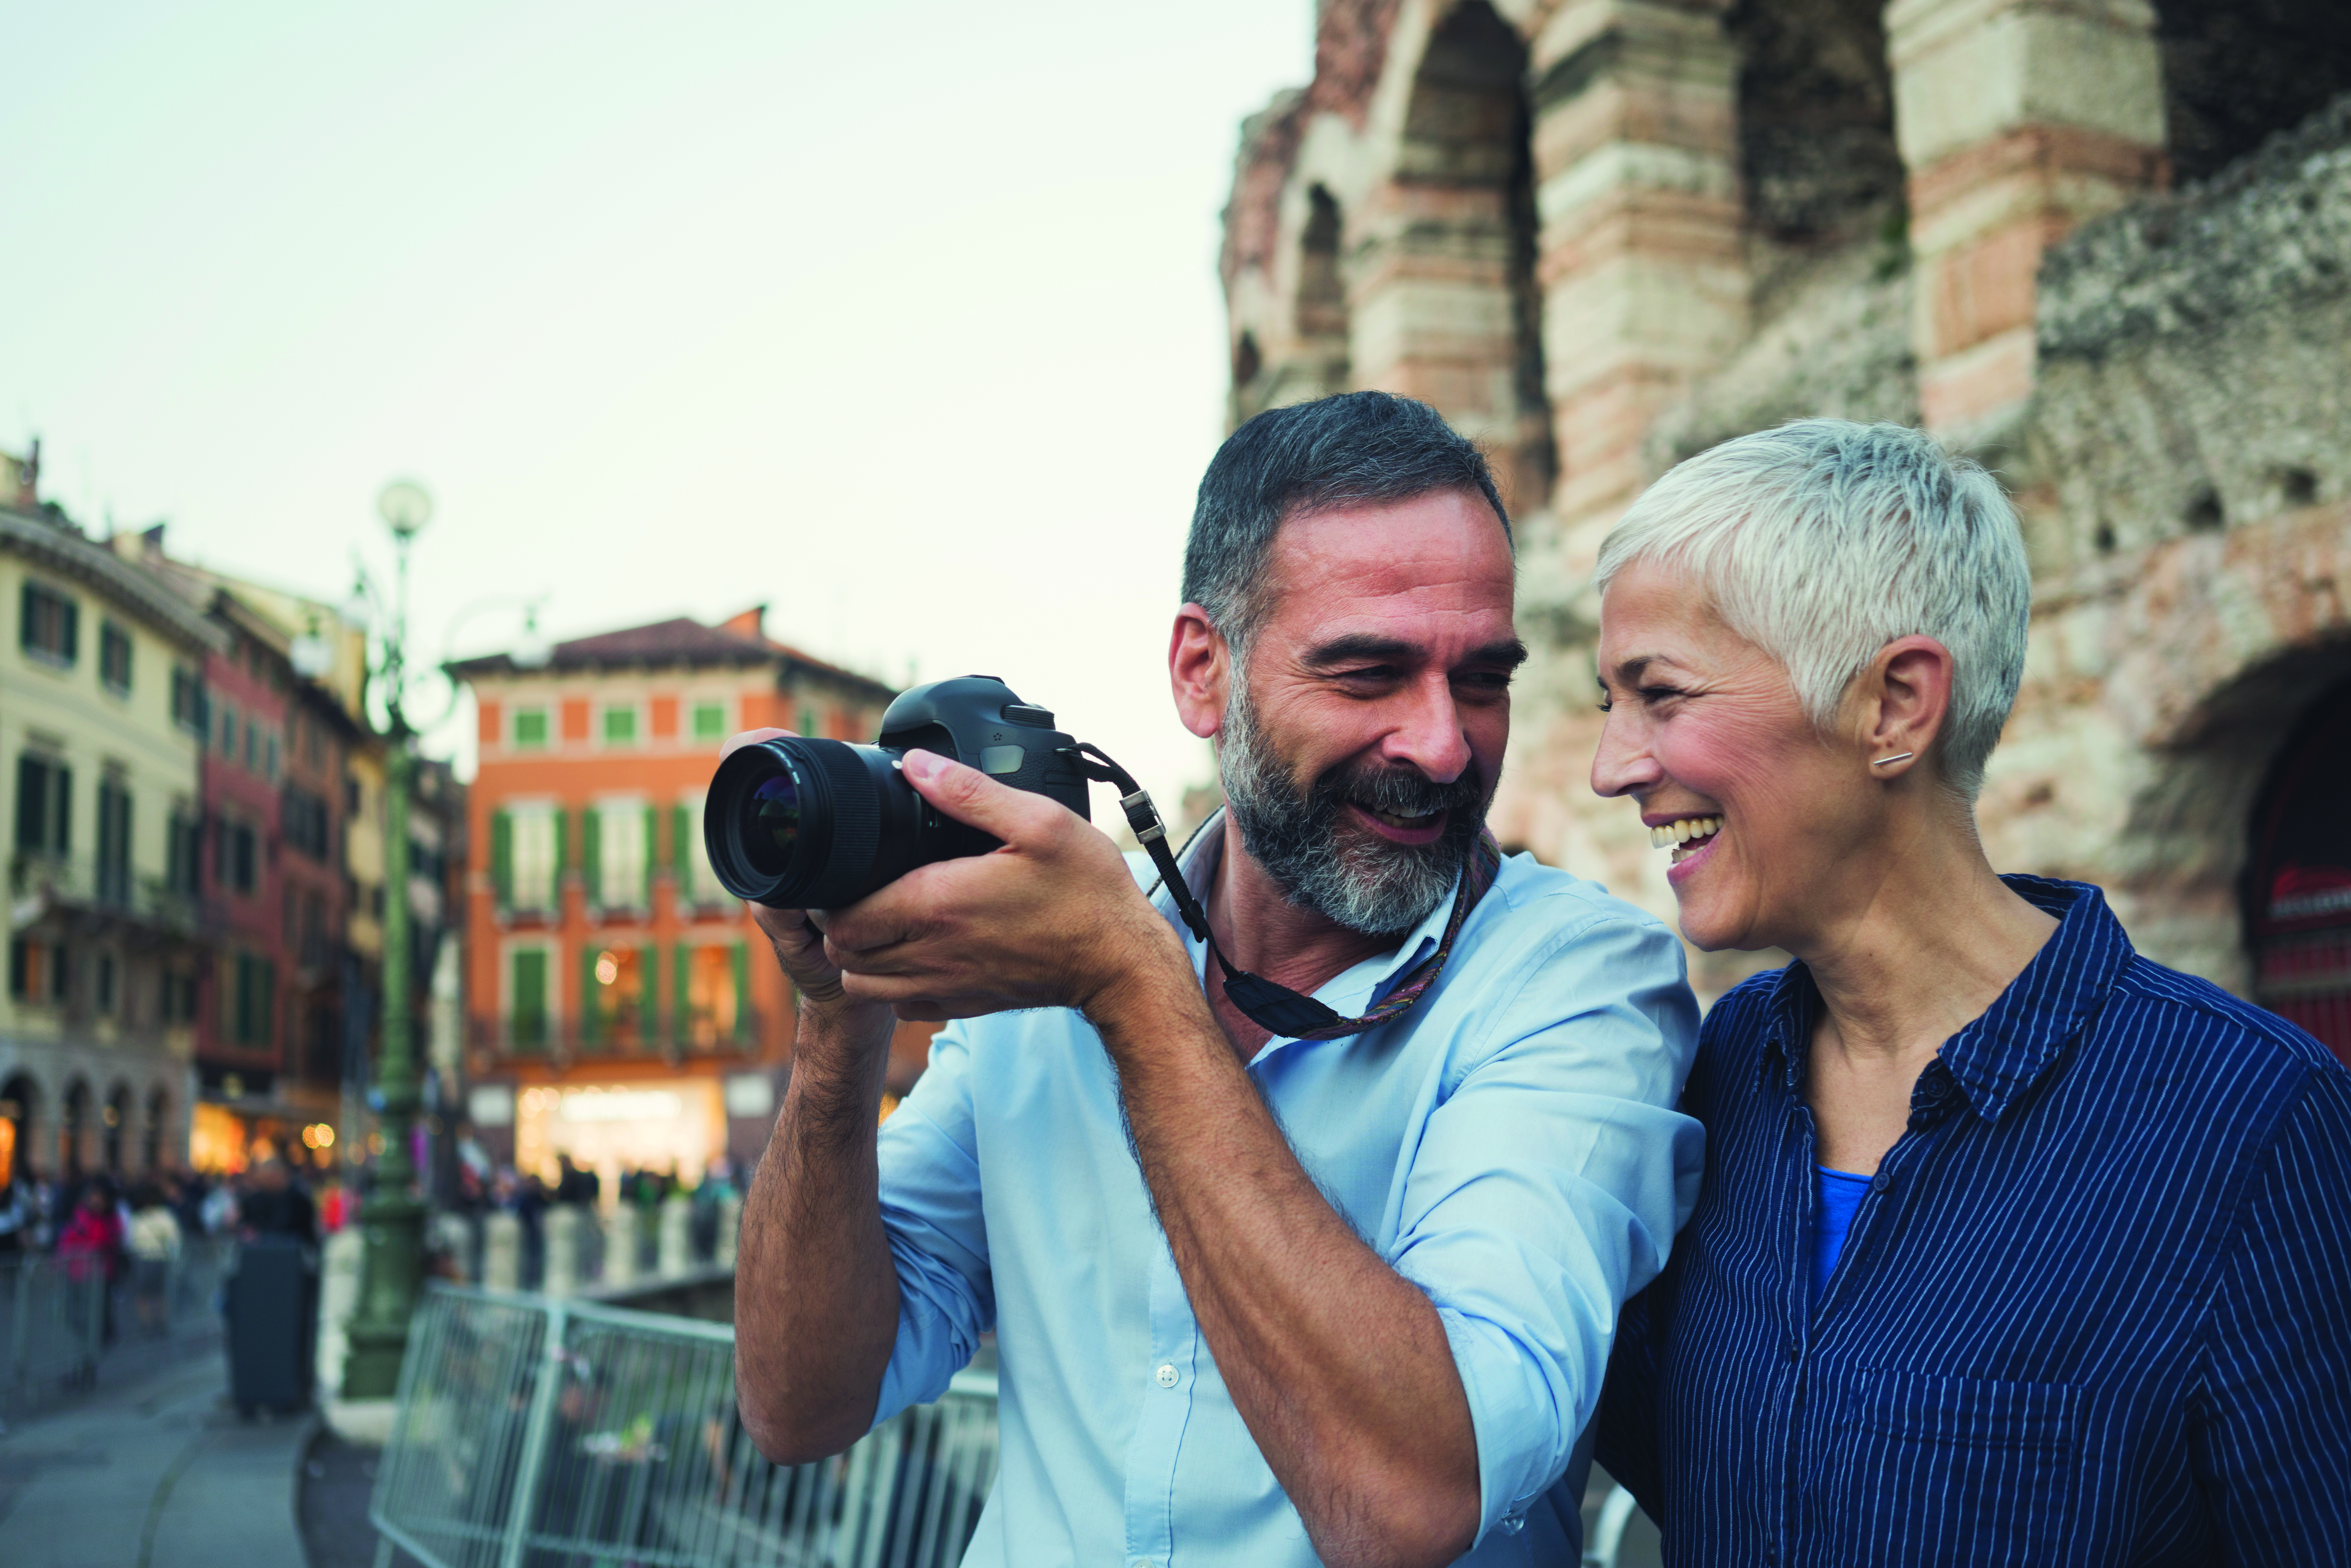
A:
620, 1007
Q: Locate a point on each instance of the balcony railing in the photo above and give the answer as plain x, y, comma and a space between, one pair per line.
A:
566, 1040
84, 883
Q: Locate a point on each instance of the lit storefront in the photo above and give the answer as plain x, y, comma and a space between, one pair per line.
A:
674, 1125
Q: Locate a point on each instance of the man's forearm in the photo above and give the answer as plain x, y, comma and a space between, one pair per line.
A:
816, 1298
1339, 1366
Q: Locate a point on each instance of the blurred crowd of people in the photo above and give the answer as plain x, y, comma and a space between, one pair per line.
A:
130, 1231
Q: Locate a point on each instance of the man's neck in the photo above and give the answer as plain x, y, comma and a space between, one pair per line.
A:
1259, 930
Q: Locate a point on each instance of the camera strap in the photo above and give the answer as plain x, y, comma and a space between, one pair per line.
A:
1292, 1015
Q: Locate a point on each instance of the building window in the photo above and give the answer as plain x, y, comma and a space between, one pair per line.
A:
525, 856
251, 998
44, 806
179, 996
183, 850
48, 627
188, 700
710, 721
37, 971
616, 997
688, 862
107, 987
233, 855
530, 727
302, 817
114, 658
113, 841
527, 1015
621, 726
715, 1000
616, 842
227, 716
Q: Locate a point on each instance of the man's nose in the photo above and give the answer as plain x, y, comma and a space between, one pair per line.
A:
1430, 735
1621, 763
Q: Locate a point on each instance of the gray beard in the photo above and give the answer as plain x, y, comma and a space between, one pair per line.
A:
1346, 874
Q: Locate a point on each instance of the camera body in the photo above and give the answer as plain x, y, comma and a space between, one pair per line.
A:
804, 823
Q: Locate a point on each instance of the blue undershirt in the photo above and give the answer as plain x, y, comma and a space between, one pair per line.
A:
1840, 1194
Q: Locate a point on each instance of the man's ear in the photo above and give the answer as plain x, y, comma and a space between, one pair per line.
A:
1199, 671
1907, 701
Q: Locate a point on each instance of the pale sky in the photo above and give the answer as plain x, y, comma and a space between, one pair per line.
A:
899, 315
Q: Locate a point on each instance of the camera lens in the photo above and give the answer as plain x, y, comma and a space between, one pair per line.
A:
800, 824
773, 824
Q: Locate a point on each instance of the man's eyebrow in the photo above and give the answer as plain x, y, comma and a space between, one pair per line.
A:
1364, 648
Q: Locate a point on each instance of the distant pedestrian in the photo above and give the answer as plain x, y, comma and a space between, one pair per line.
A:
277, 1206
91, 1246
154, 1246
15, 1217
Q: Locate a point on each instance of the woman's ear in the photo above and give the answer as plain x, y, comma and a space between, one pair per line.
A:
1199, 671
1908, 700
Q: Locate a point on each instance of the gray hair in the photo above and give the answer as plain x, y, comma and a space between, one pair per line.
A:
1823, 541
1350, 450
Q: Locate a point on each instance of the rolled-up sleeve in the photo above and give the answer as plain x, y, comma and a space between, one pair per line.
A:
937, 1232
1547, 1188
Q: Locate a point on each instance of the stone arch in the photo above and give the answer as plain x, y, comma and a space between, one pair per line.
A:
2236, 73
20, 1110
2296, 890
76, 1111
1442, 295
156, 1131
114, 1127
1817, 159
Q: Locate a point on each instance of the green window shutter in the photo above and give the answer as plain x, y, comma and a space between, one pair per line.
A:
563, 853
526, 1022
62, 822
32, 803
502, 858
268, 1019
591, 854
652, 856
681, 993
681, 850
743, 1030
73, 630
649, 996
591, 1011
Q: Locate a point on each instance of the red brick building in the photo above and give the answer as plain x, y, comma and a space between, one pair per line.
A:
619, 1009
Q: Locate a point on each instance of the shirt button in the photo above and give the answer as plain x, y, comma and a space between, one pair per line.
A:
1879, 1182
1166, 1375
1142, 1563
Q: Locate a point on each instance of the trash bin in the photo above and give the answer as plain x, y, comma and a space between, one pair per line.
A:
272, 1315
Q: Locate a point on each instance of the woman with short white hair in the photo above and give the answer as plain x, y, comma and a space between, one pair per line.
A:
2013, 1246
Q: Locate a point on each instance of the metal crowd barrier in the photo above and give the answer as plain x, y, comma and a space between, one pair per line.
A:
533, 1433
54, 1312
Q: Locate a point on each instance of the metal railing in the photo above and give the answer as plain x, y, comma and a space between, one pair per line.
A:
535, 1432
56, 1314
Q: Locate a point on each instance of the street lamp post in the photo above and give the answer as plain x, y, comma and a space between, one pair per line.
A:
392, 1219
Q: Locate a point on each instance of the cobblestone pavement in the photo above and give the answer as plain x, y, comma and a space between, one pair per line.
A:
156, 1471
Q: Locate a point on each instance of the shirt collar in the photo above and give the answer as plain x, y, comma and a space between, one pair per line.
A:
1352, 991
2002, 1053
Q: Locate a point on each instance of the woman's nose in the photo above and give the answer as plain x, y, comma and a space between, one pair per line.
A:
1621, 763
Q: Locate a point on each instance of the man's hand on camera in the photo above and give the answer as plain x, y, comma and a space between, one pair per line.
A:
1053, 918
795, 934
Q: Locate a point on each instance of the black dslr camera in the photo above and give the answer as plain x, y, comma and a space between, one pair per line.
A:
800, 823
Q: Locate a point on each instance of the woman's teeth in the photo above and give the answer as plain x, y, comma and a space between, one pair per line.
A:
1684, 836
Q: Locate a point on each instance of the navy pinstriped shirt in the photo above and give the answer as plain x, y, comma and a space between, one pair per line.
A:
2095, 1307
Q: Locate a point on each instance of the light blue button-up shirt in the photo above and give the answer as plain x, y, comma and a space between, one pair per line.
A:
1510, 1145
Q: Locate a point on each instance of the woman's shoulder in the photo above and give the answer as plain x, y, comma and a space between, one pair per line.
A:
2165, 1013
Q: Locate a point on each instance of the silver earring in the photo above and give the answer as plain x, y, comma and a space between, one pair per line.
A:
1898, 756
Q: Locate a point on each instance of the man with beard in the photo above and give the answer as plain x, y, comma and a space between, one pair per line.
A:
1272, 1281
